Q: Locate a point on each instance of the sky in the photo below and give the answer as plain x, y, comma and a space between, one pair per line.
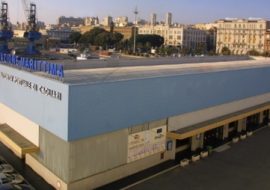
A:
184, 11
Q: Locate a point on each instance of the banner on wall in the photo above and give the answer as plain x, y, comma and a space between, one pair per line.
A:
146, 143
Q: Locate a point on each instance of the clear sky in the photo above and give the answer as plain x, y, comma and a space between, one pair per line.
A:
184, 11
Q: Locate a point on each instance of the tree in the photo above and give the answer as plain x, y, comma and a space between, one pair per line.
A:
101, 37
184, 51
116, 38
75, 37
146, 42
150, 40
89, 37
253, 53
266, 54
226, 51
200, 49
167, 50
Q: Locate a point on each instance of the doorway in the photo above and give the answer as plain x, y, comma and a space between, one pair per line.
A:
213, 137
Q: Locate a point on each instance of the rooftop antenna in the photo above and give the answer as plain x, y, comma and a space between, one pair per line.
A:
136, 12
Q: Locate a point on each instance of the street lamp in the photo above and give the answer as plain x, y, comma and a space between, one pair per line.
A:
134, 34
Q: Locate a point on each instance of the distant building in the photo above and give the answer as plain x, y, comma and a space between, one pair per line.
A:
41, 25
107, 21
121, 21
206, 26
211, 39
184, 37
267, 41
153, 19
242, 35
70, 21
141, 22
20, 26
61, 34
18, 33
91, 21
211, 35
168, 20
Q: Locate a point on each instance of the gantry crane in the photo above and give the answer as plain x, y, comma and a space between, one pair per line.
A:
6, 32
31, 33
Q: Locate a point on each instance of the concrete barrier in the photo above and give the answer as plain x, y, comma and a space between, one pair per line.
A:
184, 162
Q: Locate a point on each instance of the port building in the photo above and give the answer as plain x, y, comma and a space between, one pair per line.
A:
105, 120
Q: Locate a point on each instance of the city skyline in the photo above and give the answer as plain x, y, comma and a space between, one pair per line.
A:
183, 12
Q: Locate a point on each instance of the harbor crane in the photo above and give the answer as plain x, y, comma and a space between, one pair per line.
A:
6, 32
32, 32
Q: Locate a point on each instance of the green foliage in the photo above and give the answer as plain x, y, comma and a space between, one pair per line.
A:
149, 40
200, 49
89, 37
266, 54
101, 37
167, 50
75, 37
226, 51
253, 52
211, 53
184, 51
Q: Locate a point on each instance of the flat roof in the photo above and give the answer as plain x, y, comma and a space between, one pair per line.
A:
111, 70
99, 75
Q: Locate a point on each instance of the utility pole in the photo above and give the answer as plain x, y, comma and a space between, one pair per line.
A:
135, 29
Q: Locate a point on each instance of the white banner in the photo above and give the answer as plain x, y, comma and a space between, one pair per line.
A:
146, 143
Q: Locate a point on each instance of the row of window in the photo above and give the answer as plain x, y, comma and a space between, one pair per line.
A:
244, 26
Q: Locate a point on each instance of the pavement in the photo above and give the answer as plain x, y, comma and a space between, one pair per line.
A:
241, 166
244, 166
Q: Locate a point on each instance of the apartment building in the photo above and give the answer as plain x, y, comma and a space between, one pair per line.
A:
179, 35
121, 21
242, 35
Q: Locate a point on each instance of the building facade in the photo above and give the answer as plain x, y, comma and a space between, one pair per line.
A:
267, 42
83, 131
70, 21
242, 35
121, 21
168, 19
61, 34
107, 21
211, 35
91, 21
183, 36
153, 19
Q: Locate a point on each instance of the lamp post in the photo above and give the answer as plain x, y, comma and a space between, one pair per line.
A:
135, 30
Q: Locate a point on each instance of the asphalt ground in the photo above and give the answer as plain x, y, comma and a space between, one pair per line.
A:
244, 166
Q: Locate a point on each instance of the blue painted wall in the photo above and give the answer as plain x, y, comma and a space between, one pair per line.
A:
88, 110
106, 107
43, 110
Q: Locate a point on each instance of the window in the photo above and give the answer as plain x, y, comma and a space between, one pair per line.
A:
182, 142
159, 130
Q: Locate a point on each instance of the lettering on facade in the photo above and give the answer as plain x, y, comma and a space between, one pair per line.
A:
32, 86
29, 64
